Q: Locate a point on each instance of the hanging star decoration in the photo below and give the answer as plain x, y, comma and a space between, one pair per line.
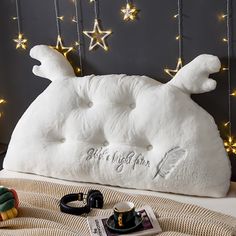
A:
20, 41
97, 36
64, 51
172, 72
230, 145
60, 48
130, 12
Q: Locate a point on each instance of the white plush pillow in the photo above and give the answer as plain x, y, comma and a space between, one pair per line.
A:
130, 131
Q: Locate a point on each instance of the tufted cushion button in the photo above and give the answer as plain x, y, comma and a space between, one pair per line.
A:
132, 105
90, 104
149, 147
105, 143
63, 140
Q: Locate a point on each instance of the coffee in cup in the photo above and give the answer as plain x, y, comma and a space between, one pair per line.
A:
124, 214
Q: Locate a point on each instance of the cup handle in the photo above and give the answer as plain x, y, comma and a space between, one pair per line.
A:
120, 223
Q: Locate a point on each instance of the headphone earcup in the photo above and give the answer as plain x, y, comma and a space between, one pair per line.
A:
95, 199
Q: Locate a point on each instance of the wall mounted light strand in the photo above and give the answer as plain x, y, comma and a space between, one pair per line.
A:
57, 18
179, 37
20, 40
97, 36
78, 42
129, 11
59, 45
230, 143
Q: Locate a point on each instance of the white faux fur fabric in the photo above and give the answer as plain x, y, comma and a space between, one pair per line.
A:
130, 131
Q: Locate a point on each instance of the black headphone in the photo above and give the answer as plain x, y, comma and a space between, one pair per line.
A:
94, 199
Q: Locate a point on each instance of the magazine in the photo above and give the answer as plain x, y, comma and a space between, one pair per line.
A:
149, 226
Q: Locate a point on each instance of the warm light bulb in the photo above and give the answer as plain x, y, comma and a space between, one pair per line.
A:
175, 16
14, 18
61, 18
2, 101
225, 40
166, 70
130, 12
233, 93
222, 16
177, 37
224, 68
230, 145
226, 124
74, 20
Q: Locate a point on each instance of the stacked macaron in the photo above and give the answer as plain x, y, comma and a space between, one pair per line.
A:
8, 203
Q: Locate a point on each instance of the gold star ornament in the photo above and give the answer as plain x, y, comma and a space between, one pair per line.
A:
230, 145
130, 12
20, 41
60, 48
97, 36
172, 73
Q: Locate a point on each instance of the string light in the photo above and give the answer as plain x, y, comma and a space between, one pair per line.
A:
73, 18
130, 12
222, 16
59, 44
60, 48
226, 124
233, 93
79, 70
225, 40
229, 143
20, 40
172, 73
179, 38
97, 36
60, 18
2, 101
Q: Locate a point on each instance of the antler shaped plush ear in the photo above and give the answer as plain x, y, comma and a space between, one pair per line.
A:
193, 77
53, 64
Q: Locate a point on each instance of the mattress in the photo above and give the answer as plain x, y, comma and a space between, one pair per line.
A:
226, 205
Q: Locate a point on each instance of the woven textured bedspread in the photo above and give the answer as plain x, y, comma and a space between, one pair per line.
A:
39, 212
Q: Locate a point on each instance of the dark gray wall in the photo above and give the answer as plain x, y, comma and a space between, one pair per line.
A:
142, 47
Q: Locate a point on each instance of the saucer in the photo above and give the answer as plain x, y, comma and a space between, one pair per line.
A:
111, 224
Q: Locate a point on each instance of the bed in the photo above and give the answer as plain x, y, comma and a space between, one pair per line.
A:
225, 205
101, 132
39, 212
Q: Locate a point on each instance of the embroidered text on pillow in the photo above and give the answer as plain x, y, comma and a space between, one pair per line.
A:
120, 159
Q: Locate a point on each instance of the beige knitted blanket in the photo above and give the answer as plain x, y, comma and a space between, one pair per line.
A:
39, 212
